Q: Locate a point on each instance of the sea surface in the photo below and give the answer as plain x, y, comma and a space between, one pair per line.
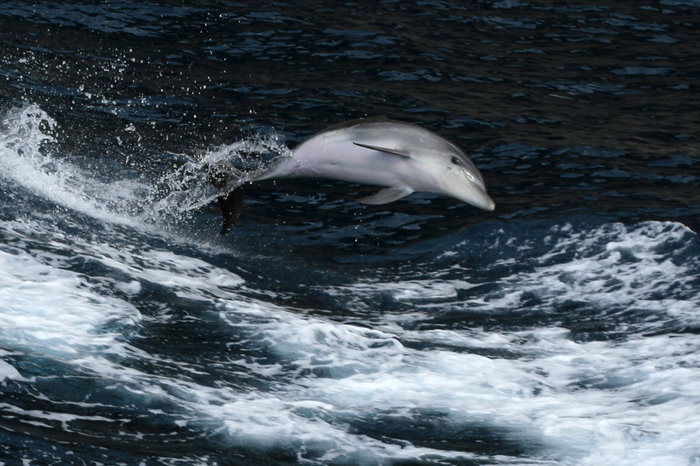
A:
560, 329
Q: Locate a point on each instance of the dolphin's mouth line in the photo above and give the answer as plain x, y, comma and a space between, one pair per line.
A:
475, 181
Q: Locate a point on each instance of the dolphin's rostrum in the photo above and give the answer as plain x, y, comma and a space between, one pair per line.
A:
403, 157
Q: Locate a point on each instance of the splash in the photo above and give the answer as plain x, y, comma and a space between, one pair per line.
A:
191, 186
28, 158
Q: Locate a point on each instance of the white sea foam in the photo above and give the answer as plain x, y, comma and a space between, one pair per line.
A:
415, 290
629, 402
357, 372
57, 313
43, 308
8, 371
632, 401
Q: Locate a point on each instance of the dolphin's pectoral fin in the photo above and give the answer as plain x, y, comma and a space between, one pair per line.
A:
386, 195
231, 206
383, 149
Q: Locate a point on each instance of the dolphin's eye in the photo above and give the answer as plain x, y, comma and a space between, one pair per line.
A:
456, 161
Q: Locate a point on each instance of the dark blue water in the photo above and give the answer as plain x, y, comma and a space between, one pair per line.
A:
562, 328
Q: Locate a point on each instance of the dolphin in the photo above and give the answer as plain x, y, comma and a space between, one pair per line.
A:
402, 157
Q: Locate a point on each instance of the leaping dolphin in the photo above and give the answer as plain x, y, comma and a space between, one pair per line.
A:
401, 156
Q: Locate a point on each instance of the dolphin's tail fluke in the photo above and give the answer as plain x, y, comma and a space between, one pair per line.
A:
231, 206
229, 182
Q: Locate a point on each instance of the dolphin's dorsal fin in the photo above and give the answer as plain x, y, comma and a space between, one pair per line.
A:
231, 206
386, 195
383, 149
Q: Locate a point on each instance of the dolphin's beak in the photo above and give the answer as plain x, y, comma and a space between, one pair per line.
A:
483, 200
475, 195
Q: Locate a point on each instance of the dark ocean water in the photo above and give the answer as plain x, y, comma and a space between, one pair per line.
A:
560, 329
